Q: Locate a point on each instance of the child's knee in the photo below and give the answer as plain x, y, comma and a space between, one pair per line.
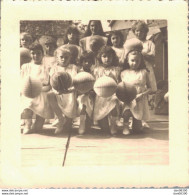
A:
27, 114
126, 115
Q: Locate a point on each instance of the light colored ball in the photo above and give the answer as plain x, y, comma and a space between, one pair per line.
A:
61, 81
105, 86
83, 82
25, 56
126, 92
31, 87
166, 97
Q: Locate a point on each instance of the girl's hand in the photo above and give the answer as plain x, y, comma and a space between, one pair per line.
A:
55, 91
46, 88
139, 96
66, 91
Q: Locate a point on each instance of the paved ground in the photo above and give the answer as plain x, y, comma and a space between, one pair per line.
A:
95, 148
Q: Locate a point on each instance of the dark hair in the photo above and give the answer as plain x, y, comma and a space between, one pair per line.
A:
70, 30
117, 33
36, 46
87, 55
100, 29
140, 24
108, 50
142, 63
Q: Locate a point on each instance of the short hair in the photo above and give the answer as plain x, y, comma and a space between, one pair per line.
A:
142, 63
36, 46
109, 51
100, 29
140, 24
74, 30
27, 35
65, 50
87, 55
117, 33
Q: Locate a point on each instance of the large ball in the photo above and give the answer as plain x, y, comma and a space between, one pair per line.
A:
126, 92
105, 86
25, 56
31, 87
61, 81
83, 82
166, 97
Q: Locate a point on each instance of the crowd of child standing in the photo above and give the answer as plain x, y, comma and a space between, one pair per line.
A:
129, 61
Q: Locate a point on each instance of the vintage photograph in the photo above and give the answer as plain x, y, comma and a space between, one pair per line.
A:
94, 92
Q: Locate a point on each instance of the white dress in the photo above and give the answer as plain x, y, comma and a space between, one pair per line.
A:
149, 49
67, 102
39, 105
139, 79
103, 106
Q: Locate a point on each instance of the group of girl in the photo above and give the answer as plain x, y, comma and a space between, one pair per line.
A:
131, 62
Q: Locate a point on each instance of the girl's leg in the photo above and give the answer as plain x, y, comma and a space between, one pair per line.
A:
28, 121
54, 105
126, 115
113, 126
38, 125
104, 124
137, 125
85, 121
83, 116
68, 124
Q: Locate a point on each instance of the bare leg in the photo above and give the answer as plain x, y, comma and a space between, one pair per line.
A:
82, 127
54, 105
104, 124
38, 125
113, 127
28, 121
126, 115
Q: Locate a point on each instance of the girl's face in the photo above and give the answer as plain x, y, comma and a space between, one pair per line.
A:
37, 56
63, 58
106, 59
86, 64
49, 49
24, 41
72, 37
94, 28
115, 40
140, 34
134, 61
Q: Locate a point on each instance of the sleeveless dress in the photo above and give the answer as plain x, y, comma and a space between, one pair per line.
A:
103, 106
139, 79
148, 48
67, 102
39, 105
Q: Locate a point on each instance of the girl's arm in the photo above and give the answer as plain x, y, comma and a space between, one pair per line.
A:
149, 54
147, 91
46, 86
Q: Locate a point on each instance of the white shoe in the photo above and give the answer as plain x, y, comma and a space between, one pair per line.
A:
27, 128
126, 129
55, 123
145, 125
60, 126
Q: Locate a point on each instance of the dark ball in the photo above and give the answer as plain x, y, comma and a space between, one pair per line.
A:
61, 81
126, 92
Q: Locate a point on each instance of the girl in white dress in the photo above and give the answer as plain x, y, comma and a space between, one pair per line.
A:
105, 108
64, 103
38, 105
136, 74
